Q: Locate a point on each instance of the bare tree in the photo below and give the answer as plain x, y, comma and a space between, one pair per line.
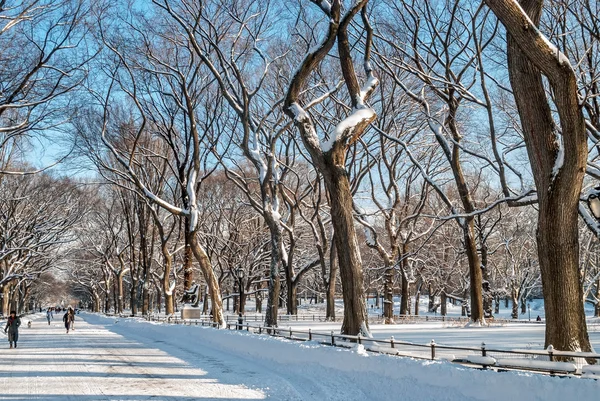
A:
558, 162
329, 157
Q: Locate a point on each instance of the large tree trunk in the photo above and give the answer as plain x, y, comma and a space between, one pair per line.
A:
292, 296
529, 55
274, 280
477, 314
188, 257
342, 218
211, 280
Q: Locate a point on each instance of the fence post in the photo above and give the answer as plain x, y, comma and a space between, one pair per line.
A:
392, 341
309, 335
432, 349
290, 331
359, 340
551, 352
483, 351
332, 338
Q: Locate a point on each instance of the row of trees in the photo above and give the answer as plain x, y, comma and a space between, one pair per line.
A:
400, 146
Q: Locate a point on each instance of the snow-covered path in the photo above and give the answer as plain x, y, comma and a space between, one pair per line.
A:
127, 359
92, 363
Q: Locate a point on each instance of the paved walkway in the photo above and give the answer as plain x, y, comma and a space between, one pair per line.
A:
92, 363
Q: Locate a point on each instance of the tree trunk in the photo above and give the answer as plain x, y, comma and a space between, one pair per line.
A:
5, 299
558, 189
116, 295
292, 297
417, 299
331, 283
211, 280
388, 293
431, 303
443, 304
205, 301
274, 271
188, 257
120, 292
477, 313
350, 263
133, 295
515, 304
404, 300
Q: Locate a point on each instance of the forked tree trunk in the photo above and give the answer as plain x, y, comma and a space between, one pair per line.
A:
350, 264
211, 280
559, 189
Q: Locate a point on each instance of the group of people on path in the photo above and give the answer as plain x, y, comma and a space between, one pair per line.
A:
14, 321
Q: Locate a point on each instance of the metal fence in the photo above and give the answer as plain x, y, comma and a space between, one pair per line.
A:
547, 361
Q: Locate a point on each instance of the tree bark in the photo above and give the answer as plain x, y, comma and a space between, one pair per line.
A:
515, 304
274, 280
443, 304
388, 294
350, 264
211, 280
330, 294
529, 56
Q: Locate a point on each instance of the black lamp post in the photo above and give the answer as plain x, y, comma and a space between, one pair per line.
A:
240, 276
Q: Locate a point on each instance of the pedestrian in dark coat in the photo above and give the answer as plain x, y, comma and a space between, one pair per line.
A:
67, 321
12, 326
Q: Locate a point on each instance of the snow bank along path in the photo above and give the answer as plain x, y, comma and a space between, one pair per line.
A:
127, 359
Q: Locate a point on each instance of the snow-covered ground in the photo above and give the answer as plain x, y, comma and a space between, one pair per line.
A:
127, 359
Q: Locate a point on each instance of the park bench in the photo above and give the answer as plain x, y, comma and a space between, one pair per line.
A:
533, 364
484, 361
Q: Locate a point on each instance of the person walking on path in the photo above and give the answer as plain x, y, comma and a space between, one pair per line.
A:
67, 321
49, 316
72, 317
12, 326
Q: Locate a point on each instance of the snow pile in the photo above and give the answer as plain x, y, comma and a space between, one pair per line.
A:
287, 370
